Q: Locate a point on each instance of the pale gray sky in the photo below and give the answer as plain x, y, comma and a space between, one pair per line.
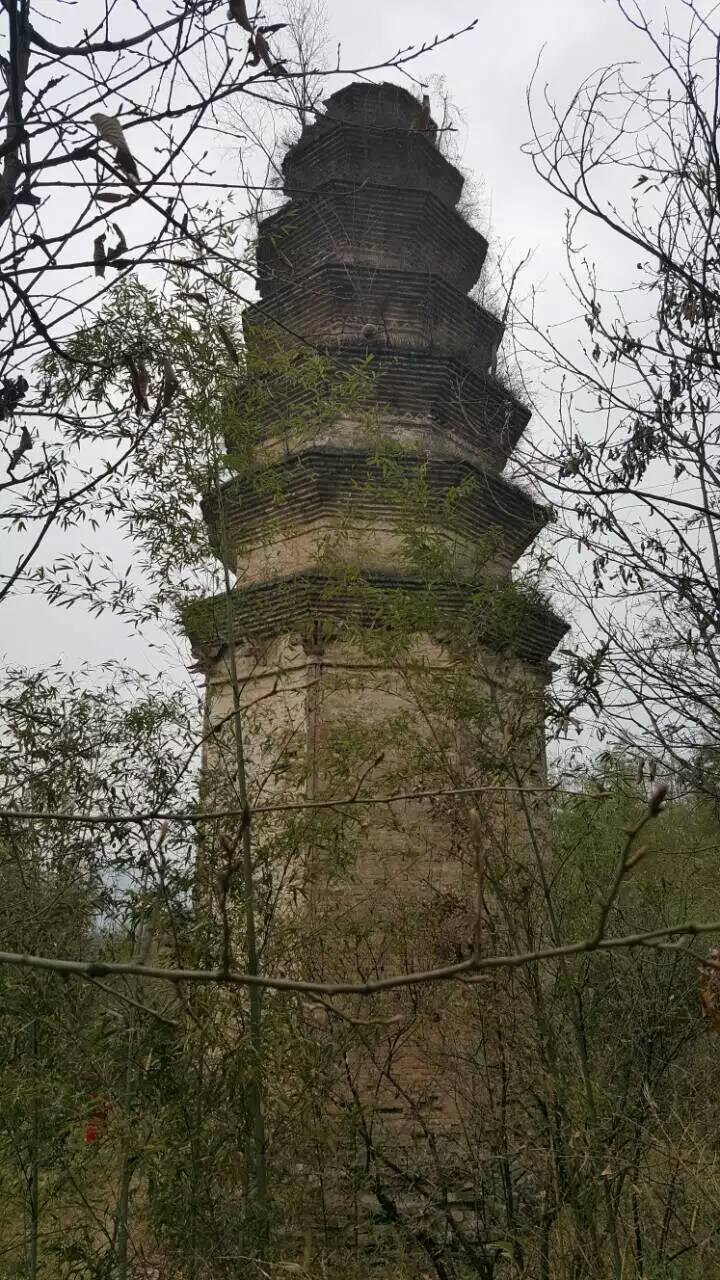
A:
486, 74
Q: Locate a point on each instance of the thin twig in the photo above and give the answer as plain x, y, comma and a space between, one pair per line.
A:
94, 969
293, 806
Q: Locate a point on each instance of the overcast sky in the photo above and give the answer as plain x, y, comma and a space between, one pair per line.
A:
486, 73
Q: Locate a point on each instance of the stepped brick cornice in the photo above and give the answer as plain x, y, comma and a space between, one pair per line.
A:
440, 399
394, 228
392, 157
338, 305
320, 606
326, 483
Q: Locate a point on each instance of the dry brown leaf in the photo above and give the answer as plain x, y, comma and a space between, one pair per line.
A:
238, 12
258, 48
139, 380
126, 162
111, 131
21, 449
99, 255
120, 247
144, 377
228, 343
171, 384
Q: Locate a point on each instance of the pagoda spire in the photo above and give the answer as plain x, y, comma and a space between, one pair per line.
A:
370, 260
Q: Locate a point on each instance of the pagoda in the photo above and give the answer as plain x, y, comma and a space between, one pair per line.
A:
369, 265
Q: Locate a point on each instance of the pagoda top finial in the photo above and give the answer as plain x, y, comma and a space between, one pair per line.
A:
381, 106
372, 133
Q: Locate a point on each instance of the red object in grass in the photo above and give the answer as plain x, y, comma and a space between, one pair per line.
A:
96, 1124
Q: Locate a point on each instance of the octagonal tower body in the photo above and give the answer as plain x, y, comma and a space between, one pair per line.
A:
369, 262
